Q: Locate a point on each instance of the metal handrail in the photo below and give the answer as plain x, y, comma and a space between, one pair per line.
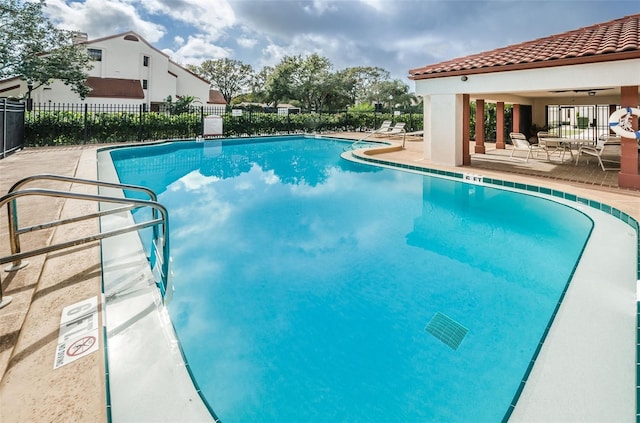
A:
49, 176
16, 255
14, 231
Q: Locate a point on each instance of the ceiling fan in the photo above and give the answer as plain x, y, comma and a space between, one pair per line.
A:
588, 90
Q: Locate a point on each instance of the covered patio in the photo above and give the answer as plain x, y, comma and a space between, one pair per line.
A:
544, 84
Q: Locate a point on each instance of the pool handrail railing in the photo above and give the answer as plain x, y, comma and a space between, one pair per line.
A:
161, 238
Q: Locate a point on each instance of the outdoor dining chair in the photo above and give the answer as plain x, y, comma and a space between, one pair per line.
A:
520, 143
604, 142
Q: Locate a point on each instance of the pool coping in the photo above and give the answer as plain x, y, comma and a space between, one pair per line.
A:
139, 330
556, 195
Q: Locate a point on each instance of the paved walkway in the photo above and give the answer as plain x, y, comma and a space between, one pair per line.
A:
30, 390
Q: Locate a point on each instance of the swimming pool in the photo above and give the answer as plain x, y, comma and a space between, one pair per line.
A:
322, 277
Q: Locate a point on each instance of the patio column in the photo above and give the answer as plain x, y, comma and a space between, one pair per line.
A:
466, 130
500, 125
480, 126
628, 176
515, 118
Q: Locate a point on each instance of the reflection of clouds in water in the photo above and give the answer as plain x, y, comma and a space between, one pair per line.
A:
192, 181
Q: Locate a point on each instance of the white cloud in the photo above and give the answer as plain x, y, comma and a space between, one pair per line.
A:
196, 50
178, 40
247, 42
319, 7
378, 5
99, 18
206, 16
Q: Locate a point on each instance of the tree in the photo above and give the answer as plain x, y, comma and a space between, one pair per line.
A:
180, 106
279, 85
259, 84
364, 82
32, 48
229, 76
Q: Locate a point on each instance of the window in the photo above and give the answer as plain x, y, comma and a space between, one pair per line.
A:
145, 84
145, 60
95, 54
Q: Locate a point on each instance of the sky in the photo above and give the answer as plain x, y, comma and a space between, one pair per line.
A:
396, 35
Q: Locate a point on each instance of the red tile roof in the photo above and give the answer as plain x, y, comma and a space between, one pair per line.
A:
115, 88
216, 97
618, 39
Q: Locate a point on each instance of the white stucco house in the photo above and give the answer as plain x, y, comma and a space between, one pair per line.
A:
126, 70
596, 66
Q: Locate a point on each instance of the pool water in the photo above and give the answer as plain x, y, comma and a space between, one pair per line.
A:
311, 288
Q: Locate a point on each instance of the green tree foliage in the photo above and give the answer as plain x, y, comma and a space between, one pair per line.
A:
231, 77
363, 82
180, 106
31, 47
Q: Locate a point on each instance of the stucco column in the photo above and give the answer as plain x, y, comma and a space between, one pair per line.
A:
628, 176
466, 130
515, 117
443, 140
480, 126
500, 125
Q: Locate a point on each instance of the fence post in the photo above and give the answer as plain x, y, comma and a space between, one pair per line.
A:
86, 119
202, 121
288, 122
140, 123
4, 139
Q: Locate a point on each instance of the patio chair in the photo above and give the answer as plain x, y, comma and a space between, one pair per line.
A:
520, 143
384, 128
597, 149
395, 130
553, 144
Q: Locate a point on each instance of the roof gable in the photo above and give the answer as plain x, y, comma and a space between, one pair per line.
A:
135, 37
618, 39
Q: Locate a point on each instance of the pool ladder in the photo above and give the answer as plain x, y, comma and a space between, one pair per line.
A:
158, 256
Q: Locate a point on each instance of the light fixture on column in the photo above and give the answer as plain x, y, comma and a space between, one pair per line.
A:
464, 78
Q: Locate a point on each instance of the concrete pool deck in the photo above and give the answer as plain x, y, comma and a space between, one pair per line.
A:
30, 390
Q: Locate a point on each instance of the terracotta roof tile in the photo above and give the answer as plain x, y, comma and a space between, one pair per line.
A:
216, 97
115, 88
614, 40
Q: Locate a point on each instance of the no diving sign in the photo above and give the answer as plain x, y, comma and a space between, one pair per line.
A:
78, 334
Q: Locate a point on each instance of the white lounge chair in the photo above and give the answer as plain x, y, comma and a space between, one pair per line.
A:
384, 128
520, 143
597, 149
395, 130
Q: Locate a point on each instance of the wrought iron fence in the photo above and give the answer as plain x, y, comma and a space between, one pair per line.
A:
12, 126
54, 123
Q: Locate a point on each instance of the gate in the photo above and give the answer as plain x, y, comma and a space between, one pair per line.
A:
11, 126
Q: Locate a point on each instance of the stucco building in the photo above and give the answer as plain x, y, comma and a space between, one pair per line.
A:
598, 65
126, 70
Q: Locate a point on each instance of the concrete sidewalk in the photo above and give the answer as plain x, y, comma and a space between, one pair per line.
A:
30, 389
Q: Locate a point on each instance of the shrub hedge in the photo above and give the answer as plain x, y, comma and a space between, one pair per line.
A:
77, 127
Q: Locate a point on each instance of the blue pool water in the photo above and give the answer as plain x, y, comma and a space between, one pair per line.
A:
305, 283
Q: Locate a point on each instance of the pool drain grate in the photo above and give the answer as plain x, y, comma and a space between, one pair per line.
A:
446, 330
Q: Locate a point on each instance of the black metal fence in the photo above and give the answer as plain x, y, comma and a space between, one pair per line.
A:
56, 124
12, 126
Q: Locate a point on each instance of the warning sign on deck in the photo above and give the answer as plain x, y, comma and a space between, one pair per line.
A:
78, 334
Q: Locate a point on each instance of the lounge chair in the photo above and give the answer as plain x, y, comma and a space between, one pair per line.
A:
598, 148
395, 130
520, 143
384, 128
